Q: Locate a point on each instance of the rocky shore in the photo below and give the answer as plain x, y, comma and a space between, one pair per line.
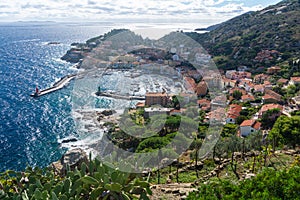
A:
79, 51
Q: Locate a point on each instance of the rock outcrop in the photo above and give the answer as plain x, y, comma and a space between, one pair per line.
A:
72, 158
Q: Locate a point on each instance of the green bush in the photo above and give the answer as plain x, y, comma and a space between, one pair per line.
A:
93, 181
269, 184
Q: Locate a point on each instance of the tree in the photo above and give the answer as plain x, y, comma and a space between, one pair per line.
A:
286, 131
237, 94
229, 130
240, 119
269, 117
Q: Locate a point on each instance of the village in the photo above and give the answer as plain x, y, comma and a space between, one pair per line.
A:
250, 102
245, 100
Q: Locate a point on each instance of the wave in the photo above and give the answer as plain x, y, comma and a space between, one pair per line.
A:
27, 40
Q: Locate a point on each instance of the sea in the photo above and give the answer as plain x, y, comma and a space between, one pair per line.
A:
31, 128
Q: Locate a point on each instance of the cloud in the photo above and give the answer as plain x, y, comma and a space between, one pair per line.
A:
131, 9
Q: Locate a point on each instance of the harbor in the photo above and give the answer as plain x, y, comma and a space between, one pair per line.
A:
57, 86
118, 96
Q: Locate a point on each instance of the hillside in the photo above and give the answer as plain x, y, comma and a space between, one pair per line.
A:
250, 38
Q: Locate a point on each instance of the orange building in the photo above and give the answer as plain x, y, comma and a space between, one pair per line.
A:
157, 99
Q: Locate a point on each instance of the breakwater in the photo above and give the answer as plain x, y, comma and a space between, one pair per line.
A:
57, 86
118, 96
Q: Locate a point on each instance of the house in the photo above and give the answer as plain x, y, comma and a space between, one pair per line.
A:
201, 89
273, 70
228, 82
246, 84
271, 106
241, 75
233, 113
229, 73
217, 116
219, 101
259, 88
204, 104
268, 85
282, 81
260, 78
249, 126
157, 99
213, 80
271, 97
294, 80
247, 97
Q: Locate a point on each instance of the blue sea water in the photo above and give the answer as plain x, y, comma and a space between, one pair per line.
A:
29, 127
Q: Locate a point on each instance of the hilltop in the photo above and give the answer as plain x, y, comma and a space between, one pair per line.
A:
273, 31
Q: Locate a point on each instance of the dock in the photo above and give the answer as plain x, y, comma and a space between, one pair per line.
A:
117, 96
57, 86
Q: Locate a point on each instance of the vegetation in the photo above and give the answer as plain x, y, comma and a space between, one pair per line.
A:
286, 131
240, 40
269, 117
237, 94
93, 181
270, 184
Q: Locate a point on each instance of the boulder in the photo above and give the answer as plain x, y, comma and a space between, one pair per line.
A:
73, 158
108, 112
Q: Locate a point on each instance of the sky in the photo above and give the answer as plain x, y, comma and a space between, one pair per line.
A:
210, 11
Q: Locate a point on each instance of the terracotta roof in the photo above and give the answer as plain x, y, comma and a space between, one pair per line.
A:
249, 122
266, 107
267, 83
267, 96
221, 98
226, 80
140, 104
217, 114
256, 125
259, 87
247, 97
203, 102
234, 111
282, 80
295, 79
261, 76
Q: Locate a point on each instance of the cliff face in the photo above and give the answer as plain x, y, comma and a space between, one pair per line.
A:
240, 40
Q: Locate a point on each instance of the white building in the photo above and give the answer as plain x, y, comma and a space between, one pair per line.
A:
249, 126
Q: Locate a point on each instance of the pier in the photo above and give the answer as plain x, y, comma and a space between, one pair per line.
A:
117, 96
57, 86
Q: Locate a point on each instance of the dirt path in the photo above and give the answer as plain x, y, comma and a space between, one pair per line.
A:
172, 191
